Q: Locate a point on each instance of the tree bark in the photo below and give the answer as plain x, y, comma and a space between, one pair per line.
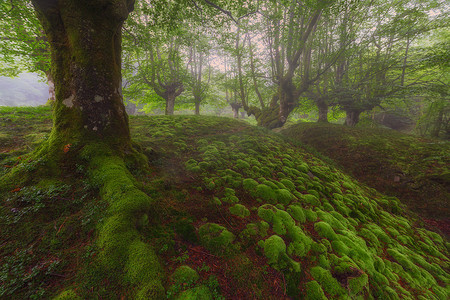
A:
170, 104
197, 108
85, 42
352, 117
323, 110
235, 108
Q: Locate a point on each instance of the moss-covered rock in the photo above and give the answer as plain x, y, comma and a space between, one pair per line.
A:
185, 275
215, 238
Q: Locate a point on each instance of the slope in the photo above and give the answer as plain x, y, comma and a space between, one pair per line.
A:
236, 212
414, 169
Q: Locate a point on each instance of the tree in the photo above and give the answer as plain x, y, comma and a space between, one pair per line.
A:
23, 43
198, 57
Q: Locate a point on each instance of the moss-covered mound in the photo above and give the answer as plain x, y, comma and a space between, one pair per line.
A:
225, 211
416, 170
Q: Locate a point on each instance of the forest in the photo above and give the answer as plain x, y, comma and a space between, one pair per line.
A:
217, 149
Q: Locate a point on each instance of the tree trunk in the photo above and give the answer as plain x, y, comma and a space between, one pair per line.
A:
85, 42
352, 117
170, 104
235, 108
323, 110
197, 108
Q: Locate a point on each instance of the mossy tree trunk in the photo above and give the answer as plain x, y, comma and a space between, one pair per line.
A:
85, 42
352, 117
197, 107
322, 107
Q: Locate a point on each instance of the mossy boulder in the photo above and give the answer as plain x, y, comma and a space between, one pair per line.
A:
215, 238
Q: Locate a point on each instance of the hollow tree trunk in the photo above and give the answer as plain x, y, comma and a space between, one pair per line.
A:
85, 42
352, 117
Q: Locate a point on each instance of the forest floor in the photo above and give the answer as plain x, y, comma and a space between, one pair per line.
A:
240, 213
414, 169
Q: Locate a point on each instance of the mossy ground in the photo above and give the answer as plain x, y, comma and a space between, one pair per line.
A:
309, 228
414, 169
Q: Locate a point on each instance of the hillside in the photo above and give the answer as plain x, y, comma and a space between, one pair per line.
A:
414, 169
236, 212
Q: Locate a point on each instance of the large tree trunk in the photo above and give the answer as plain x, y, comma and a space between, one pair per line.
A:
352, 117
197, 108
322, 106
235, 108
85, 42
170, 104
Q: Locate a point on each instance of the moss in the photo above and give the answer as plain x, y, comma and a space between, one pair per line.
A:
283, 196
186, 230
318, 248
325, 230
288, 184
358, 284
67, 295
311, 215
249, 185
314, 291
215, 238
274, 248
327, 281
239, 210
297, 212
185, 275
267, 212
151, 290
266, 193
275, 251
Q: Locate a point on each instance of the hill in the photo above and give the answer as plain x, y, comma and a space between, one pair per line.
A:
236, 211
414, 169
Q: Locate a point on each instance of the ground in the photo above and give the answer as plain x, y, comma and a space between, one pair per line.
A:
236, 212
414, 169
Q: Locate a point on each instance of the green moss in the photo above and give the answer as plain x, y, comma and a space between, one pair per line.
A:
327, 281
288, 184
314, 291
266, 193
325, 230
311, 215
215, 238
239, 210
201, 292
297, 212
67, 295
249, 185
151, 290
283, 196
186, 230
274, 248
267, 212
358, 284
185, 275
